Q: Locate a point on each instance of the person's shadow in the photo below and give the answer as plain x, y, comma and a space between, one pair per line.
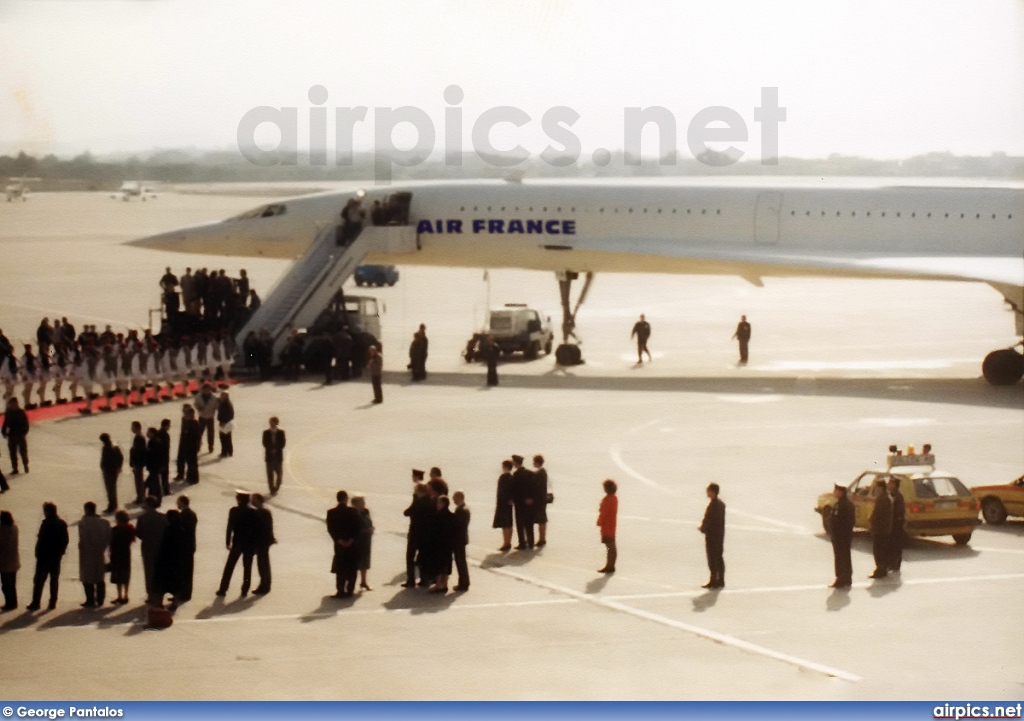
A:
421, 601
838, 599
220, 607
329, 607
884, 586
705, 601
596, 585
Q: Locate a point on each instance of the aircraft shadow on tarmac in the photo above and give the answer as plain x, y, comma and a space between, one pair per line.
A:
960, 391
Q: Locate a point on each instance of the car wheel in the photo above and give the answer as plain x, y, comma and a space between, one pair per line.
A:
826, 520
359, 283
993, 512
962, 539
547, 347
532, 350
391, 283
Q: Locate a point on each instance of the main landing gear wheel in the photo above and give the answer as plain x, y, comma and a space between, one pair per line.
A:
1003, 367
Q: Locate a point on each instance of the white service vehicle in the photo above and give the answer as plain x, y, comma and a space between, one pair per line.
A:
517, 327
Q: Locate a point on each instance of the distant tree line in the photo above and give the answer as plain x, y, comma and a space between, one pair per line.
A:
88, 172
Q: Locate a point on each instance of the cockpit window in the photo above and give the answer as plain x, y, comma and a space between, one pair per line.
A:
263, 211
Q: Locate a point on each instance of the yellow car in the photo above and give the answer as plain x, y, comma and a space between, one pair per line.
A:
937, 504
998, 502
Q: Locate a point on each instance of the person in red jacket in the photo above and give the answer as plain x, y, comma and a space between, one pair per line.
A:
606, 517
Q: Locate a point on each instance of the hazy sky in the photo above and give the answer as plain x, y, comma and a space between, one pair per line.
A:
876, 78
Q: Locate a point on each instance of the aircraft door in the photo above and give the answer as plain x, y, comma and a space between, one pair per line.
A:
766, 217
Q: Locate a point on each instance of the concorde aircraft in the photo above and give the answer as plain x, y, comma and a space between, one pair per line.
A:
753, 229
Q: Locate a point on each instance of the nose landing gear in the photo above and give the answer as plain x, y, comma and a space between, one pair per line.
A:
569, 354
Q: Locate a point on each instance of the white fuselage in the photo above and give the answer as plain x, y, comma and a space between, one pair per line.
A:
665, 226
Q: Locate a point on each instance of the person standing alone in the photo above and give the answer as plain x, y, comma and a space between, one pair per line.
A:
607, 519
273, 454
843, 515
742, 336
713, 528
642, 332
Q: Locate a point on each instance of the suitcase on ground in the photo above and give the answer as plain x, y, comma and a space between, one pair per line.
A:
158, 617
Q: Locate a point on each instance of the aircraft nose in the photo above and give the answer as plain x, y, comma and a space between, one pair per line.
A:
196, 239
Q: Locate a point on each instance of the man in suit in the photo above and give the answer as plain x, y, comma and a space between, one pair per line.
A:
189, 521
241, 542
881, 529
713, 528
15, 430
189, 440
540, 500
642, 332
418, 513
344, 526
899, 519
522, 497
51, 544
273, 454
264, 540
742, 336
460, 539
843, 514
137, 462
149, 529
164, 434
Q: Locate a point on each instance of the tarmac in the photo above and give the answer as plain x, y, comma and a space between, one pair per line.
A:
839, 370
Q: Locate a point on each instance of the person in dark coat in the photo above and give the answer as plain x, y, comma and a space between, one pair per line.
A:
10, 560
264, 540
171, 561
540, 499
137, 462
881, 530
490, 352
343, 526
111, 463
15, 430
51, 544
441, 545
155, 485
149, 529
417, 513
898, 535
713, 528
189, 521
225, 425
460, 539
189, 441
523, 494
504, 505
742, 336
642, 333
843, 516
274, 441
418, 354
122, 536
164, 433
241, 542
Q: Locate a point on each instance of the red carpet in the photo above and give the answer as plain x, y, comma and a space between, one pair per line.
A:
71, 409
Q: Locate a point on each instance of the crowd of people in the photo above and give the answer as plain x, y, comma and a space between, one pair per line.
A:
207, 301
120, 368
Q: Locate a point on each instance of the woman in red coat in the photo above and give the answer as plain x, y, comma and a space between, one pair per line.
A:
606, 517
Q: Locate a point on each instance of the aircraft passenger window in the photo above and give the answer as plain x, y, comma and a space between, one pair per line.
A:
946, 215
703, 211
573, 210
808, 213
673, 211
792, 212
913, 215
474, 208
600, 210
853, 213
687, 211
993, 216
630, 210
488, 208
718, 212
838, 213
883, 213
531, 208
929, 215
977, 215
1009, 216
559, 209
616, 210
463, 209
645, 210
503, 208
869, 213
961, 215
898, 215
545, 209
659, 210
823, 214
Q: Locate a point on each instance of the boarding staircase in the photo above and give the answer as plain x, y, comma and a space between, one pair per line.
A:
312, 283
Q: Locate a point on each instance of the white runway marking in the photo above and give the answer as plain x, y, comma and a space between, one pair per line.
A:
722, 638
616, 455
819, 586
